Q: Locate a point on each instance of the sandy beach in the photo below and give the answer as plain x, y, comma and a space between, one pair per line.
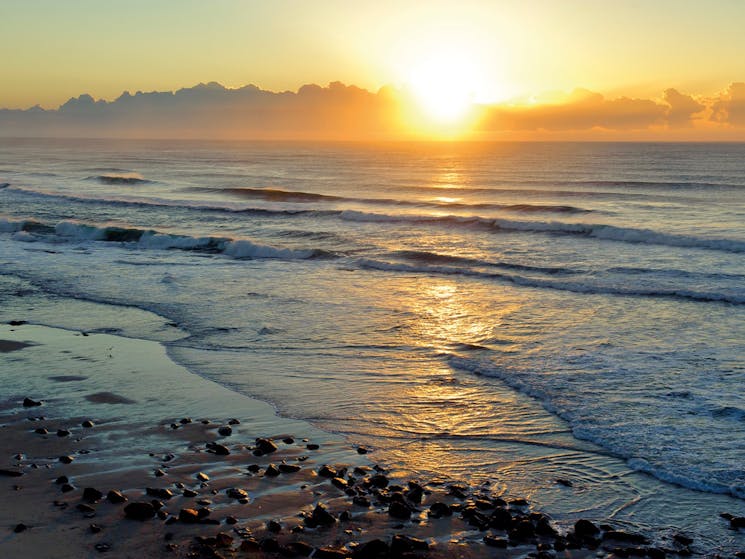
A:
111, 448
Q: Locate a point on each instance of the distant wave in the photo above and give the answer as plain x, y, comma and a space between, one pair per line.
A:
275, 195
152, 239
572, 285
120, 178
437, 258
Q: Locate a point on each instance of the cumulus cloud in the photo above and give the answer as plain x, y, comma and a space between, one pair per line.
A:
682, 108
729, 107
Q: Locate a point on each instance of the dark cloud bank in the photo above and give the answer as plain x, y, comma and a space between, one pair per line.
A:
339, 111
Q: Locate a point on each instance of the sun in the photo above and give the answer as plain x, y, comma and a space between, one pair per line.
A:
443, 85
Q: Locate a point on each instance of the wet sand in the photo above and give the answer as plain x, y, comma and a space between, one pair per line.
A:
85, 419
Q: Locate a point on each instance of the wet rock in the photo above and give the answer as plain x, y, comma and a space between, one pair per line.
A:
202, 477
327, 471
20, 528
233, 421
493, 541
254, 468
66, 488
399, 510
543, 528
371, 550
29, 403
61, 480
483, 504
189, 493
185, 420
10, 473
139, 511
225, 431
236, 493
85, 509
271, 471
379, 480
288, 468
92, 495
522, 530
269, 545
159, 473
737, 522
87, 424
66, 459
312, 446
438, 510
17, 322
231, 520
500, 519
330, 553
401, 544
94, 528
682, 539
159, 492
103, 547
274, 526
361, 501
564, 482
220, 450
41, 431
266, 446
320, 517
249, 544
203, 512
362, 450
585, 529
223, 539
655, 553
340, 483
625, 537
300, 548
63, 433
188, 516
288, 440
415, 493
115, 497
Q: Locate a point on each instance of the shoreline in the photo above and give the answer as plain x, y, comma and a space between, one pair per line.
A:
137, 436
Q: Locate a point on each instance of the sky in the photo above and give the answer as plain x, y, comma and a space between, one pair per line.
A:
498, 51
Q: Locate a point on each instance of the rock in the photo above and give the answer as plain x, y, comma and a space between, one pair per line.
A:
63, 433
159, 473
225, 431
312, 446
401, 544
94, 528
139, 511
41, 431
438, 510
202, 477
17, 322
340, 483
92, 495
254, 468
300, 548
625, 537
10, 473
399, 510
266, 446
269, 545
737, 522
60, 480
274, 526
543, 528
66, 488
288, 468
231, 520
66, 459
87, 424
327, 471
85, 509
682, 539
218, 449
585, 529
224, 540
362, 450
103, 547
20, 528
500, 519
271, 471
564, 482
330, 553
236, 493
655, 553
288, 440
159, 492
379, 480
233, 421
249, 544
522, 530
189, 493
29, 403
203, 512
188, 516
493, 541
371, 550
115, 497
320, 517
415, 493
361, 501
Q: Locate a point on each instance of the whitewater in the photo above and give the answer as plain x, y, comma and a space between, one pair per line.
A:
517, 313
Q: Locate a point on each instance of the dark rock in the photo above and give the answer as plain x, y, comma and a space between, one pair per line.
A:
220, 450
63, 433
312, 446
415, 493
249, 544
41, 431
585, 529
224, 540
625, 537
327, 471
493, 541
202, 476
236, 493
231, 520
320, 517
379, 480
157, 505
271, 471
483, 504
543, 528
682, 539
94, 528
60, 480
288, 440
371, 550
85, 509
92, 495
189, 493
87, 424
188, 516
399, 510
737, 522
339, 482
66, 459
159, 492
203, 512
362, 450
139, 511
29, 403
300, 548
330, 553
438, 510
361, 501
401, 544
20, 528
274, 526
103, 547
518, 503
17, 322
522, 530
159, 473
225, 431
266, 446
66, 488
269, 545
233, 421
254, 468
10, 473
500, 519
115, 497
564, 482
288, 468
655, 553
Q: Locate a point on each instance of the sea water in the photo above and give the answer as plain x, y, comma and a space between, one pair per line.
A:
509, 313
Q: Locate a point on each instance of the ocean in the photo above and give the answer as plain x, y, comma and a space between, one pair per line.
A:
563, 321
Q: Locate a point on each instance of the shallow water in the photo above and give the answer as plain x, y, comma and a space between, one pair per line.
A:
517, 312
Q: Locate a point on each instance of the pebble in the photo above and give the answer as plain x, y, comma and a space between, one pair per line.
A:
236, 493
371, 549
41, 431
189, 493
233, 421
87, 424
94, 528
288, 468
103, 547
274, 526
218, 449
115, 497
225, 431
320, 517
66, 488
29, 403
271, 471
63, 433
312, 446
139, 511
188, 516
288, 440
266, 446
92, 495
330, 553
20, 528
66, 459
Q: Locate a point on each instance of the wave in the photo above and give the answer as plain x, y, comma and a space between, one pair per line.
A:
120, 178
574, 286
275, 195
437, 258
155, 240
598, 231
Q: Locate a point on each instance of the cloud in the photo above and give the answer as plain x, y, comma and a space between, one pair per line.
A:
729, 107
682, 108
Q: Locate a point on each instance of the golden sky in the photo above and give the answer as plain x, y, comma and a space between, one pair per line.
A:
527, 53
